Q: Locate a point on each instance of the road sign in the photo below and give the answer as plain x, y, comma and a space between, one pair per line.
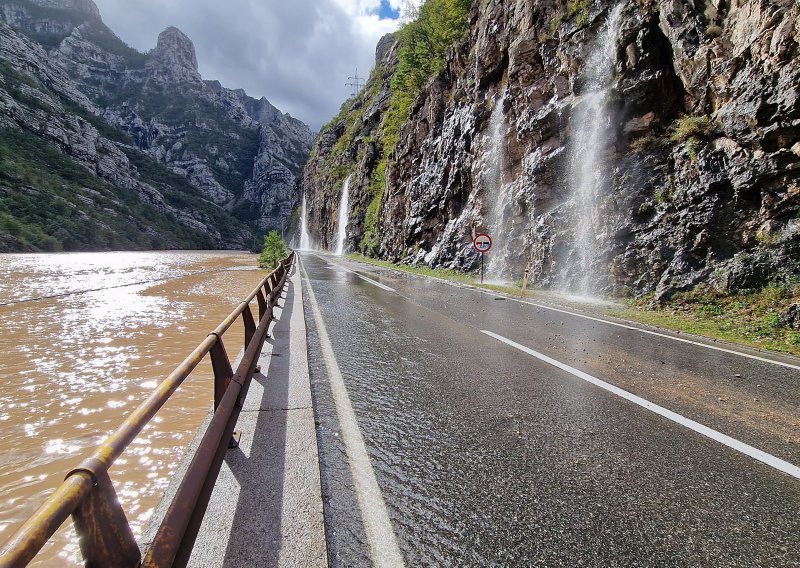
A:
482, 243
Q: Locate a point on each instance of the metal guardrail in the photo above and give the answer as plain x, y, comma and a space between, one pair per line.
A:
87, 494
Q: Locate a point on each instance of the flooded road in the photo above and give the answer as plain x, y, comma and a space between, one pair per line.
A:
86, 337
487, 455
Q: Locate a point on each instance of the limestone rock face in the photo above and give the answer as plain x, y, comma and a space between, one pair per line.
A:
242, 154
39, 98
174, 59
698, 181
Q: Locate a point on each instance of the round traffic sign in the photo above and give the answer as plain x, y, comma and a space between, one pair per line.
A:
482, 243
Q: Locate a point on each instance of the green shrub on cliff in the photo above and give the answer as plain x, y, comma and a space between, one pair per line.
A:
688, 127
423, 44
371, 241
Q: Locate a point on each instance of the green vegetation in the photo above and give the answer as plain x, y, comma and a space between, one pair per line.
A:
48, 202
690, 131
579, 9
688, 127
423, 44
99, 34
371, 240
443, 273
751, 317
664, 195
273, 252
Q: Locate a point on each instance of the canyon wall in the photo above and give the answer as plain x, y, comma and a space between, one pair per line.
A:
694, 176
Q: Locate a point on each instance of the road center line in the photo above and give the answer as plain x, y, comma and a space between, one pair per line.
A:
370, 280
383, 547
732, 443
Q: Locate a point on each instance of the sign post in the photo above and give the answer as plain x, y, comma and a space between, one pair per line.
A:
482, 244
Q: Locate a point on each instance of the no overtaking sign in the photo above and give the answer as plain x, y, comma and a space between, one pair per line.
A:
482, 243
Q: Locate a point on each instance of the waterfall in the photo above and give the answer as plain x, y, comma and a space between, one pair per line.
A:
305, 238
500, 194
590, 127
344, 206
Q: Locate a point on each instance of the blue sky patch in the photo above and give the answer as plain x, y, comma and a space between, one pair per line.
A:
387, 12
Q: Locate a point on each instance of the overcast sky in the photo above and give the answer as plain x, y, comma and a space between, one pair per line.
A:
297, 53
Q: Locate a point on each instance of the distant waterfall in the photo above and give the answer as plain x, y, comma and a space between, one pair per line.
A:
590, 127
499, 194
344, 212
305, 238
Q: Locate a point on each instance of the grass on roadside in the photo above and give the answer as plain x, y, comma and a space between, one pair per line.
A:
748, 317
443, 273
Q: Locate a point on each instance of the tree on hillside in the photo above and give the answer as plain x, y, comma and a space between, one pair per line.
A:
273, 252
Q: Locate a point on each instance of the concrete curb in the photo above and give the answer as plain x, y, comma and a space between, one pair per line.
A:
266, 508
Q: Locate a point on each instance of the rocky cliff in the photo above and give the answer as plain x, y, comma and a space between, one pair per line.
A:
351, 143
609, 148
210, 157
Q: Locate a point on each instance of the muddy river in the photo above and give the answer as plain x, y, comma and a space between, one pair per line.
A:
85, 338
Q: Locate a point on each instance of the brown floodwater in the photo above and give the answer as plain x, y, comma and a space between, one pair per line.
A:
85, 338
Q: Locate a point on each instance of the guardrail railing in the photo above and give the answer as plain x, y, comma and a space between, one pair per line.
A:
87, 494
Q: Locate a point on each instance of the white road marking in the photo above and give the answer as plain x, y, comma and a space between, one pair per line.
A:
383, 547
370, 280
657, 334
617, 324
732, 443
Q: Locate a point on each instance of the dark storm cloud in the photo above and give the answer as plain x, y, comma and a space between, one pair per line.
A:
297, 53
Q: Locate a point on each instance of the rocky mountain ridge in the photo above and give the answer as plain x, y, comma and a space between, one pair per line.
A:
239, 155
698, 176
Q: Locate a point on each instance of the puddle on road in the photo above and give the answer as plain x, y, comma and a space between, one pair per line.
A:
74, 367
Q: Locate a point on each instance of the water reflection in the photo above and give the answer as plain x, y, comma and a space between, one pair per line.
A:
75, 365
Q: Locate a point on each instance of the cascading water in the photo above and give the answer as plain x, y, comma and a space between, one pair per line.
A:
344, 211
305, 238
498, 192
591, 128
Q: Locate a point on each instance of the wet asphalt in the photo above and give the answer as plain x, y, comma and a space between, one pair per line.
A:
487, 456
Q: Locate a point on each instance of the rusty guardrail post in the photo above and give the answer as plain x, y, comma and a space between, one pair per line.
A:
223, 372
105, 537
249, 325
262, 303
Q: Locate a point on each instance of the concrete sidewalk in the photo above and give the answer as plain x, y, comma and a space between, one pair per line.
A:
266, 508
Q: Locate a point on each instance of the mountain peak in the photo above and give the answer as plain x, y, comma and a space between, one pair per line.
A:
176, 47
174, 57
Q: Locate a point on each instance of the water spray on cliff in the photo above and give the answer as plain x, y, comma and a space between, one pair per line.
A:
344, 206
591, 128
305, 238
499, 193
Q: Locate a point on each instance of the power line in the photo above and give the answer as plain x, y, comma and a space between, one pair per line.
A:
356, 82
